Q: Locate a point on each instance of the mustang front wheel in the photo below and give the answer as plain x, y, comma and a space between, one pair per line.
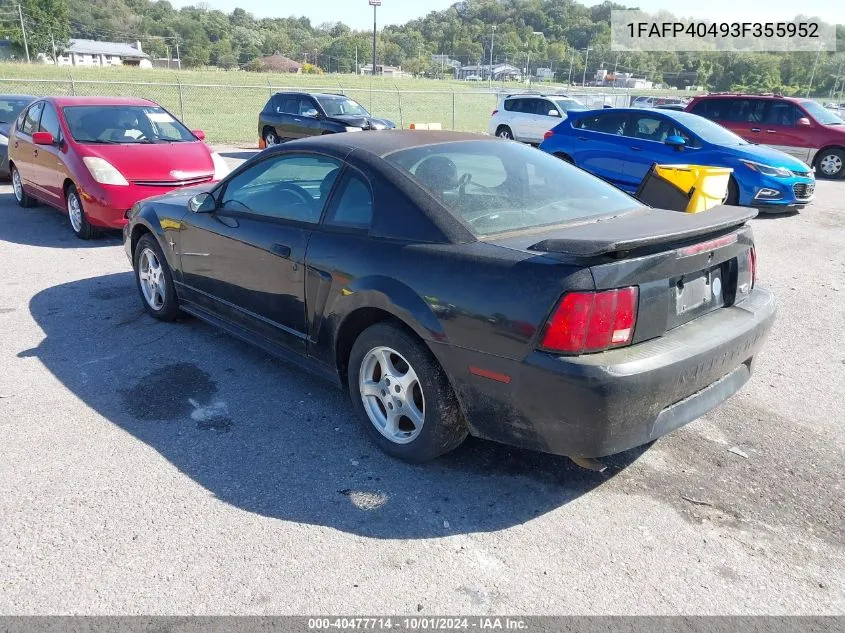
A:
155, 283
407, 403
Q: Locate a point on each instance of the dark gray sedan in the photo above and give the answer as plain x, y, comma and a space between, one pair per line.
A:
10, 107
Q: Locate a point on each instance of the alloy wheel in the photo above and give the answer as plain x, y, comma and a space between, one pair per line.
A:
74, 211
392, 395
151, 277
505, 133
271, 139
17, 185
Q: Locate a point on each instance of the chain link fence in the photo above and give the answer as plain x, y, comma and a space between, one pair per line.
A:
228, 114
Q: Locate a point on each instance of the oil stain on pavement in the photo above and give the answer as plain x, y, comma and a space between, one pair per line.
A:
176, 392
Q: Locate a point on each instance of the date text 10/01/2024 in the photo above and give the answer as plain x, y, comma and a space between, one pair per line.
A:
724, 29
418, 624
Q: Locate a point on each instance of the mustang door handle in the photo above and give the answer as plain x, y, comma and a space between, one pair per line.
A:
583, 138
281, 250
636, 149
755, 129
772, 131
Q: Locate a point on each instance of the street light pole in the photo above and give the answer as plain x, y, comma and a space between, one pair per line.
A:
571, 62
375, 4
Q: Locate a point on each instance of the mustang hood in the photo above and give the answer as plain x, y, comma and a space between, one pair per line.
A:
179, 197
365, 122
157, 161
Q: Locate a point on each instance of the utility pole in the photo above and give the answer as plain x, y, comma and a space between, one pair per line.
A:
375, 4
53, 42
571, 62
586, 59
356, 60
492, 43
23, 31
178, 56
813, 74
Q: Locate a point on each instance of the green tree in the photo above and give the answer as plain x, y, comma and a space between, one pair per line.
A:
46, 23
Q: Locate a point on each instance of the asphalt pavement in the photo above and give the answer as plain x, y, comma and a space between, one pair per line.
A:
152, 468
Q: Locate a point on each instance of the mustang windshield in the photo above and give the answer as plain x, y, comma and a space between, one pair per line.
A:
118, 124
496, 187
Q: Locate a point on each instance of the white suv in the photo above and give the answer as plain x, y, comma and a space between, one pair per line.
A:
527, 117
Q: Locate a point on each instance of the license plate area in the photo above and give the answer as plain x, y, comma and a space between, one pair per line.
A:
697, 293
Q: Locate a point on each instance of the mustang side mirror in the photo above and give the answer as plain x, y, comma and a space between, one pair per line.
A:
43, 138
804, 122
675, 141
202, 203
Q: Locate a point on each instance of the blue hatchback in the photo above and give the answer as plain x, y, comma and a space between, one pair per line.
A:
620, 145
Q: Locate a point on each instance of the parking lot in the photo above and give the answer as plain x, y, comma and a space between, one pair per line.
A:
152, 468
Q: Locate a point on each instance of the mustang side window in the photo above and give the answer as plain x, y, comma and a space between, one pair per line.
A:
352, 206
284, 187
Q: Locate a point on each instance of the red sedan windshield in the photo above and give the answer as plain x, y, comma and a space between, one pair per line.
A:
121, 124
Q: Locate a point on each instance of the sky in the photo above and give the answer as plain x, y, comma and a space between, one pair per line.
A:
358, 14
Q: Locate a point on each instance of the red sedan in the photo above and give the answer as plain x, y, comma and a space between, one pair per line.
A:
95, 157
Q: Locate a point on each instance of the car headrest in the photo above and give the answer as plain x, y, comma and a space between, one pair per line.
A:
437, 173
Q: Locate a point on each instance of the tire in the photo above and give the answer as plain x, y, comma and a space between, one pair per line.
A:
270, 137
439, 426
503, 131
159, 294
830, 164
76, 215
17, 186
732, 197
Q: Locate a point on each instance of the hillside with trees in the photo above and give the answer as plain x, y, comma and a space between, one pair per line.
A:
207, 37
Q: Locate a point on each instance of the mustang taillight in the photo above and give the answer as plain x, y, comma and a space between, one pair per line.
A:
592, 321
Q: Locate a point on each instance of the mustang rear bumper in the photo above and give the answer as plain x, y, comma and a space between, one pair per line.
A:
600, 404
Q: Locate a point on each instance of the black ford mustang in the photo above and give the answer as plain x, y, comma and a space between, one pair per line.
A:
461, 285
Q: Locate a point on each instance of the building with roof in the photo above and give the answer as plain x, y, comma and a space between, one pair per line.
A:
500, 72
278, 63
95, 53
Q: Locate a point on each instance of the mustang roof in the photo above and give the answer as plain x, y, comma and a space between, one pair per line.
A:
383, 142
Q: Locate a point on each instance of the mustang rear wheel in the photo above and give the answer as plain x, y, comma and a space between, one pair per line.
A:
154, 280
406, 402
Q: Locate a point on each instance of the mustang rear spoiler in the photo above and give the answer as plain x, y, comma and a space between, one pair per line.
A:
649, 227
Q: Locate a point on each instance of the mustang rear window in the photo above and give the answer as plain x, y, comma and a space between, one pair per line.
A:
495, 187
